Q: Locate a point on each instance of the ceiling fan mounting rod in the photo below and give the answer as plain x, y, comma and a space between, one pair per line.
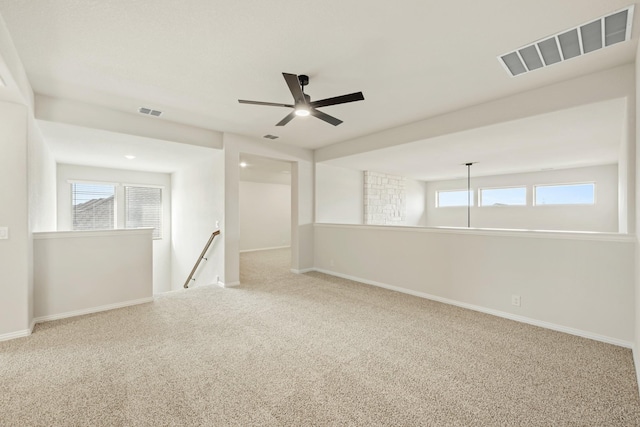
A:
304, 80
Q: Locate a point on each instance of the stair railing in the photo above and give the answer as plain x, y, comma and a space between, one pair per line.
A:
204, 251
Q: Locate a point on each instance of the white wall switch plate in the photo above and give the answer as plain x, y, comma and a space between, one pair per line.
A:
4, 233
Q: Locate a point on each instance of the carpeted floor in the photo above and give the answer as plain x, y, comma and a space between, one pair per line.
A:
302, 350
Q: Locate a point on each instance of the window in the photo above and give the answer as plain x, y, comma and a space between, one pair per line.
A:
453, 198
507, 196
143, 208
92, 206
566, 194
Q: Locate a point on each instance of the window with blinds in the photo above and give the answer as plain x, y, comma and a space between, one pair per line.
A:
143, 208
92, 206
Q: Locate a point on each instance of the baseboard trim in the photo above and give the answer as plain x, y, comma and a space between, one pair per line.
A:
302, 271
16, 334
265, 249
155, 295
229, 285
92, 310
498, 313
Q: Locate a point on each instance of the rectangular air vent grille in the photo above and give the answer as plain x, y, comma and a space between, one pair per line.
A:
603, 32
270, 137
149, 112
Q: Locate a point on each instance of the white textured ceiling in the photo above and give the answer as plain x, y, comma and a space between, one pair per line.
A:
77, 145
193, 59
581, 136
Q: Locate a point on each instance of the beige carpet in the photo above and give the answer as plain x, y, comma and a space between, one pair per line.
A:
301, 350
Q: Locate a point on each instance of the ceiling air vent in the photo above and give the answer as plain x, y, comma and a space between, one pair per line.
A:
149, 112
605, 31
270, 137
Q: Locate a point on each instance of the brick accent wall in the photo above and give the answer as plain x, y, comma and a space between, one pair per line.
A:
385, 201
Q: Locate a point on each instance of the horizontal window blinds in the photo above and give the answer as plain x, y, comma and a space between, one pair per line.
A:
143, 208
92, 206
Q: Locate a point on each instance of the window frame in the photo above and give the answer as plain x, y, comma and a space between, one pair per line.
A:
565, 184
464, 190
525, 204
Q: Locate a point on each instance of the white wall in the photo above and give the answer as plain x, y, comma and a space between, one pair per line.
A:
161, 247
42, 195
577, 283
27, 192
14, 251
197, 204
42, 182
87, 271
265, 215
339, 195
603, 216
416, 203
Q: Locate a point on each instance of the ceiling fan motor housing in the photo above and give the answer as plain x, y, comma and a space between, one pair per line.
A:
303, 79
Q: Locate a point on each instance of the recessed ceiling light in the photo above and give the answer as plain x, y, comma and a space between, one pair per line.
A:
129, 156
243, 164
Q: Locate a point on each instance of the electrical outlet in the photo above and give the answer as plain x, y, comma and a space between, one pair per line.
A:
4, 233
515, 300
332, 263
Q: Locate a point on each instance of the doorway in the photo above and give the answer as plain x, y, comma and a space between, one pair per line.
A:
264, 204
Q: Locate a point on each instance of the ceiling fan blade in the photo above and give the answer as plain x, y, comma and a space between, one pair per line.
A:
323, 116
357, 96
294, 87
287, 119
273, 104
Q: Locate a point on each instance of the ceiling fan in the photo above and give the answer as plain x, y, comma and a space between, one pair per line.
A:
303, 106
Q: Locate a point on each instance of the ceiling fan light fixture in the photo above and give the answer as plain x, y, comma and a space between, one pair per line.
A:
303, 106
302, 111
